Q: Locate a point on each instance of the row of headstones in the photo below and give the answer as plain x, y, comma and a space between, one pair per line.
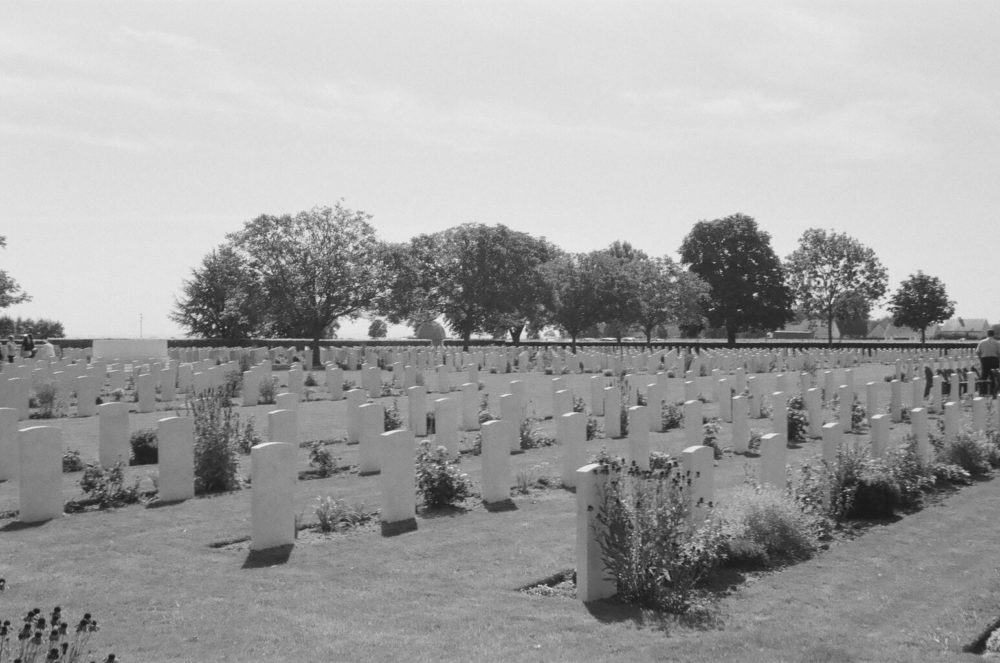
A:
592, 580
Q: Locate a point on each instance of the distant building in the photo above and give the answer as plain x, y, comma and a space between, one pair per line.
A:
806, 329
886, 331
963, 328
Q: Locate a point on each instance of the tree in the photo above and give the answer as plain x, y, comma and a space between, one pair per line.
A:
313, 268
666, 294
623, 269
920, 302
480, 278
830, 272
578, 294
378, 329
745, 278
10, 290
222, 298
40, 328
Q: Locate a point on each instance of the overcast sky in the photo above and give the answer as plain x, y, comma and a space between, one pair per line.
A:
135, 135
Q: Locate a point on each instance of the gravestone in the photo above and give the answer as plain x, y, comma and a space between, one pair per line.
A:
113, 435
592, 580
175, 443
416, 401
10, 451
398, 481
372, 423
272, 502
496, 475
571, 435
773, 454
446, 425
40, 472
638, 436
741, 425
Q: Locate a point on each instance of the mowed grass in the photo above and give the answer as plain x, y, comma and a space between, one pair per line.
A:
913, 590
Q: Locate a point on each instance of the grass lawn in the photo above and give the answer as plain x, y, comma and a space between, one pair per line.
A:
164, 589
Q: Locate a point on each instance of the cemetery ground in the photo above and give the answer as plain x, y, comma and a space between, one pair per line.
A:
177, 582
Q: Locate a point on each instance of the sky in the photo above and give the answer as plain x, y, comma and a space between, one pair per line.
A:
135, 135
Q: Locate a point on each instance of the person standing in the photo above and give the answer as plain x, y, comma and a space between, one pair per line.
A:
988, 352
11, 349
27, 347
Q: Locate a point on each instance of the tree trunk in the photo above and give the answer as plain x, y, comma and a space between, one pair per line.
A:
923, 336
730, 335
572, 343
829, 330
515, 334
315, 350
649, 338
466, 337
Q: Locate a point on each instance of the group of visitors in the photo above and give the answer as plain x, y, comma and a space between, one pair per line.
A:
9, 349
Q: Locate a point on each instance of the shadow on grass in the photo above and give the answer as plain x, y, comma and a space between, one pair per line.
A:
500, 507
17, 525
613, 611
443, 511
258, 559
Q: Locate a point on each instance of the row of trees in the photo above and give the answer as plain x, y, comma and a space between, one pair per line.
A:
296, 276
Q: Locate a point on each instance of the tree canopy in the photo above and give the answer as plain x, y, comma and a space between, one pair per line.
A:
10, 290
313, 268
745, 278
830, 272
480, 278
920, 302
222, 298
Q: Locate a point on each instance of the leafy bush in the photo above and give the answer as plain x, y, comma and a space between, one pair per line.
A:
711, 437
145, 450
71, 461
310, 381
321, 459
914, 478
798, 419
647, 544
233, 384
535, 477
753, 444
49, 401
593, 429
671, 415
268, 390
659, 460
993, 642
106, 485
248, 437
484, 409
217, 435
391, 417
762, 524
532, 436
972, 452
439, 481
335, 515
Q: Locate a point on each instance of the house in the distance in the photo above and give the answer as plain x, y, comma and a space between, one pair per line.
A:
806, 329
886, 331
964, 328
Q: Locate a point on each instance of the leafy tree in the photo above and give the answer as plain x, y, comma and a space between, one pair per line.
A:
666, 294
830, 272
10, 290
313, 268
378, 329
852, 315
40, 328
480, 278
745, 278
222, 298
579, 297
623, 269
920, 302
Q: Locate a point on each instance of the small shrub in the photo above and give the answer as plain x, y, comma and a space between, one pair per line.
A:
268, 390
993, 642
798, 419
233, 384
579, 405
753, 444
623, 418
47, 638
71, 461
439, 480
648, 547
671, 415
711, 437
431, 423
321, 459
659, 460
217, 431
49, 401
762, 524
310, 381
145, 450
391, 417
484, 409
593, 429
859, 416
248, 437
106, 485
335, 515
535, 477
972, 452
